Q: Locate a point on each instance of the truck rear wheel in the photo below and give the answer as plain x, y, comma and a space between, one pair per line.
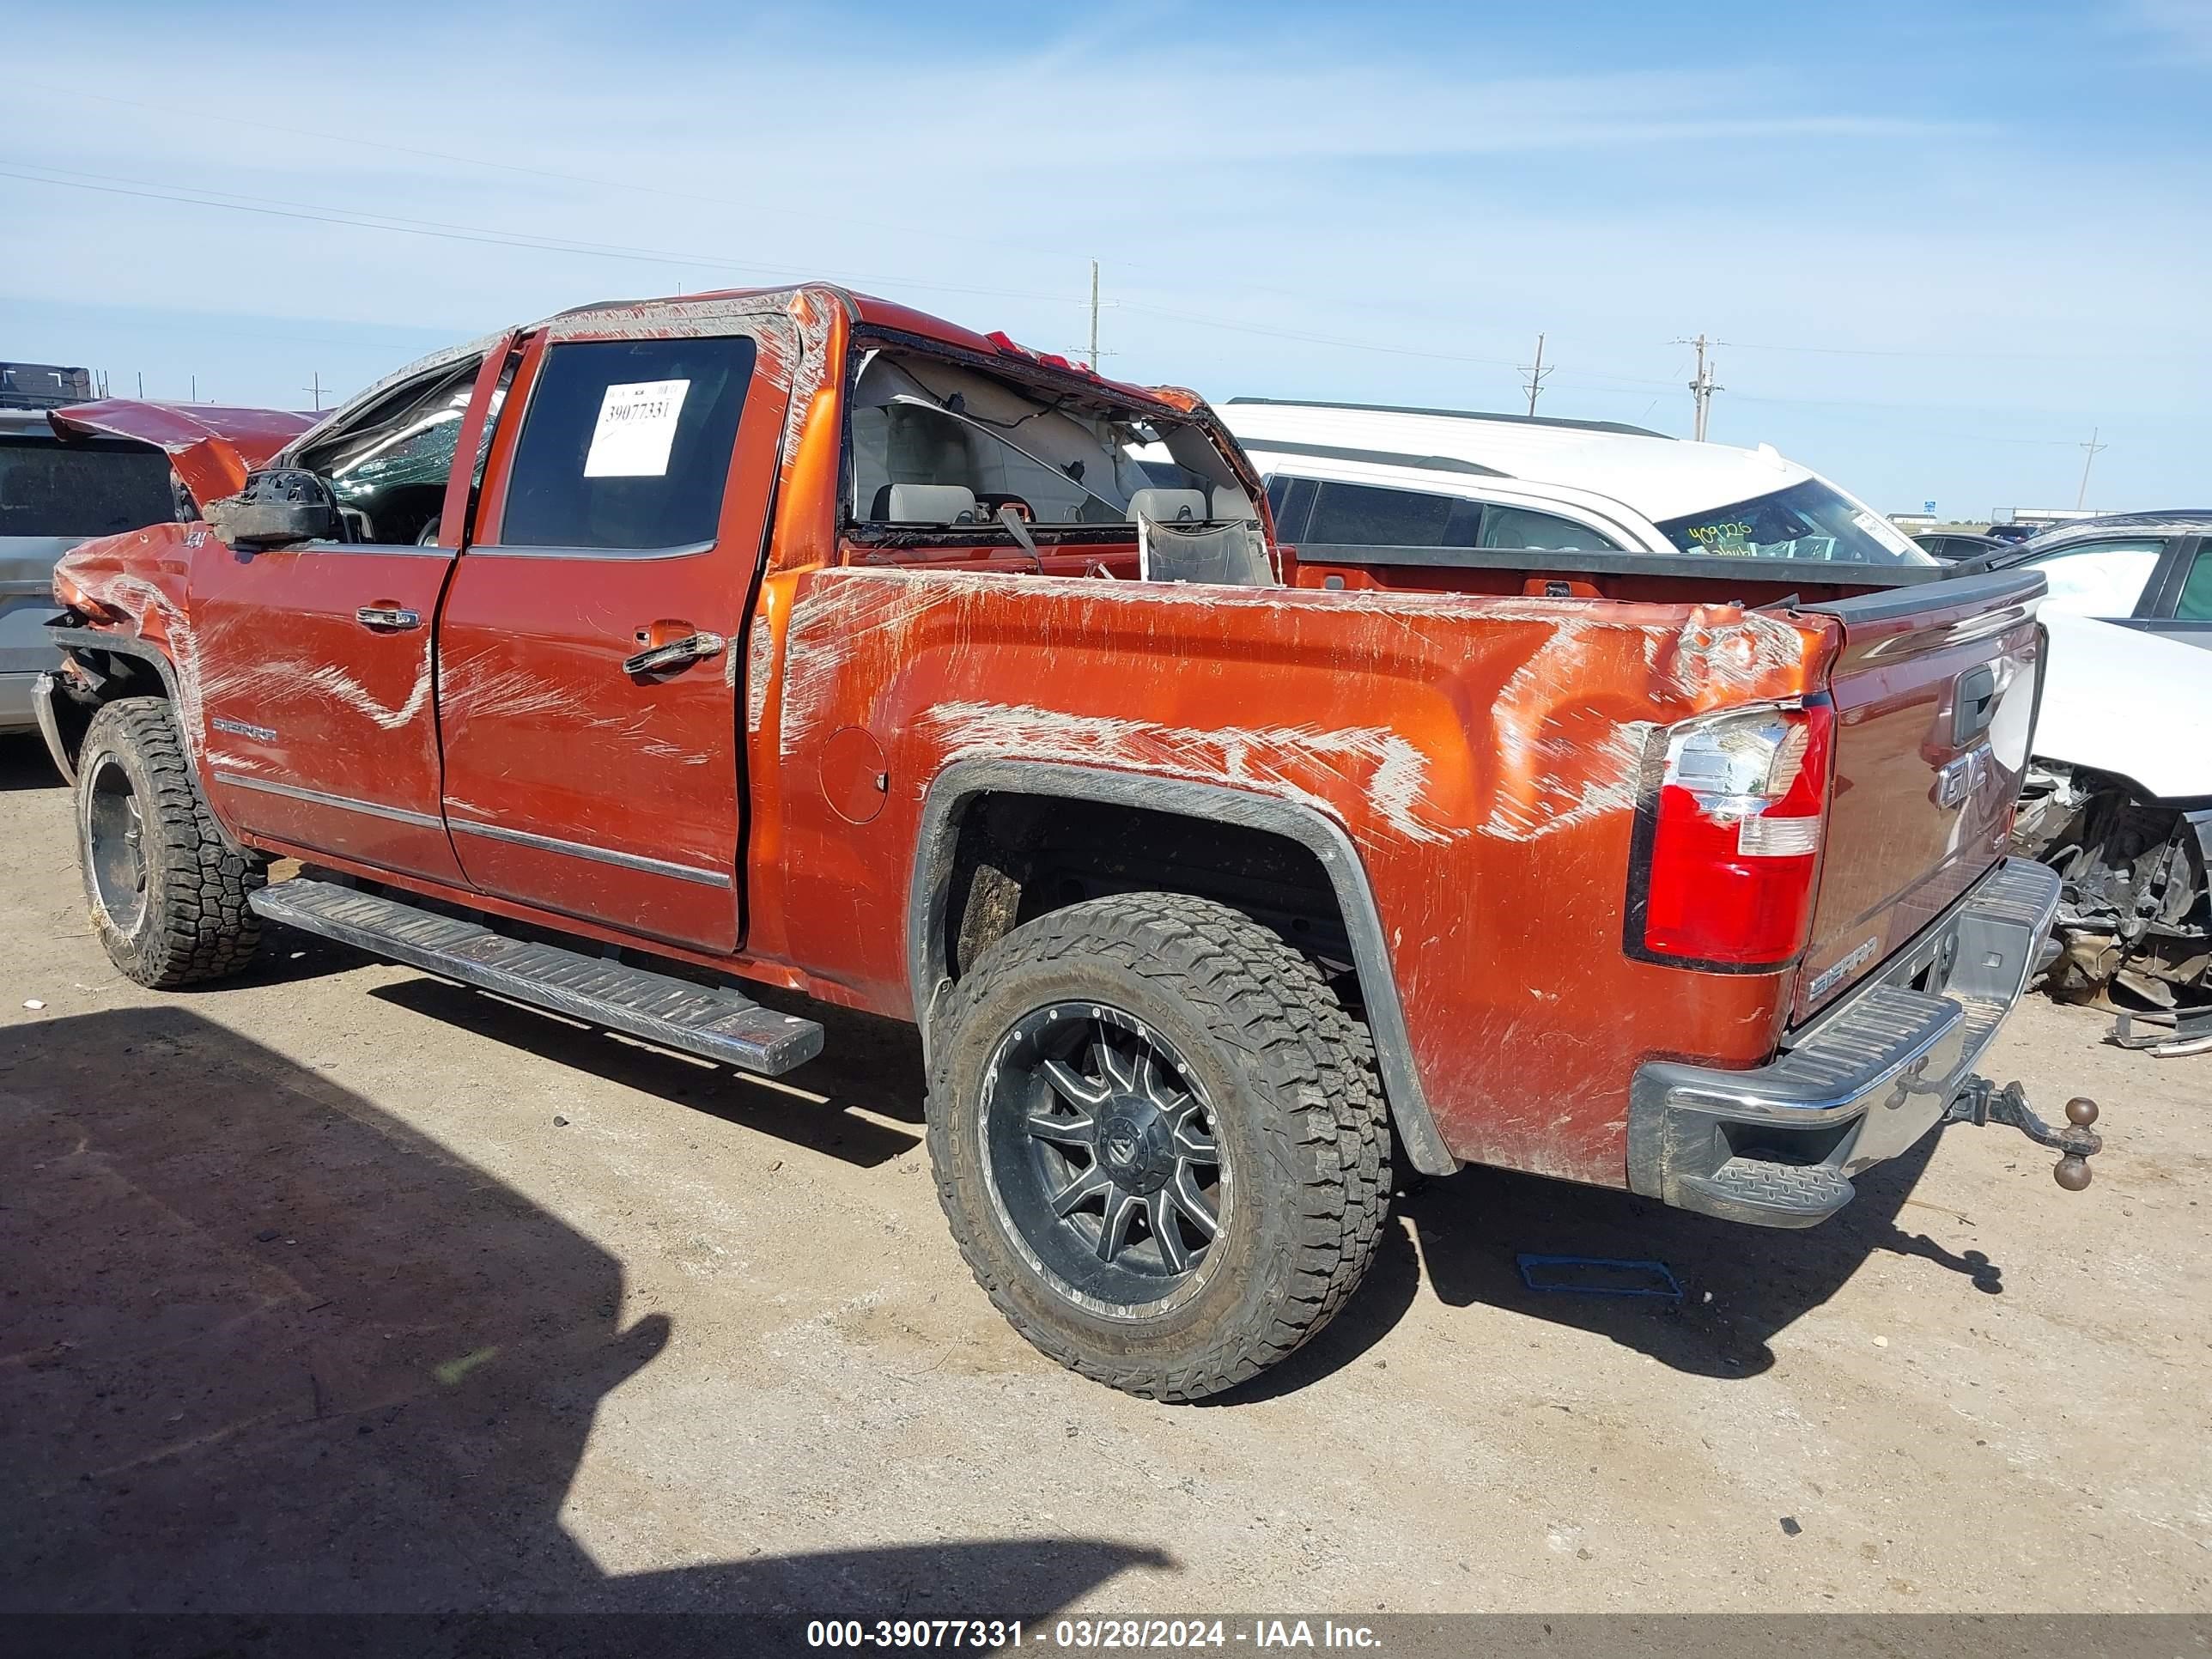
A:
1159, 1141
167, 893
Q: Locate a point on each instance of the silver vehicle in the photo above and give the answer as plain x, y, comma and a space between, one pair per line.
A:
54, 493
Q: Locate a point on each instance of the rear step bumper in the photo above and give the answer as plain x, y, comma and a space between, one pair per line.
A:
1776, 1145
711, 1021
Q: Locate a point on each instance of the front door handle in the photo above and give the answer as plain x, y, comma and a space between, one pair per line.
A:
395, 617
677, 653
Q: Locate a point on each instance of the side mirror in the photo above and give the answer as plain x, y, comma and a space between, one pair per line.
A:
276, 509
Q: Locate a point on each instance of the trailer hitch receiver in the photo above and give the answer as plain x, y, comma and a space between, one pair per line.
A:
1982, 1102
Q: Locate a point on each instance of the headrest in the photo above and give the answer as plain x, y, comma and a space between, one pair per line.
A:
1231, 504
1169, 505
920, 503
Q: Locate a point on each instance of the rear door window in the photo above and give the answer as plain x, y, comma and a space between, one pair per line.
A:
1516, 527
2105, 579
626, 443
1290, 499
1364, 515
2195, 602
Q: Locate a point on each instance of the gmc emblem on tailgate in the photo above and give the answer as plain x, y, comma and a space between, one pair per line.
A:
1964, 775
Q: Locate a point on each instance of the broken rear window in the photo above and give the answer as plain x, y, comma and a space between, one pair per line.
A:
973, 445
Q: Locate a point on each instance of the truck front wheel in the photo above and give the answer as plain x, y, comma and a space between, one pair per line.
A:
167, 893
1160, 1141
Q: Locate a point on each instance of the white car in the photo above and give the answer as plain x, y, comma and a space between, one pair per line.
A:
2119, 797
1351, 474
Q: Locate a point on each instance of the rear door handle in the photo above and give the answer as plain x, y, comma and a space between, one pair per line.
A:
677, 653
393, 616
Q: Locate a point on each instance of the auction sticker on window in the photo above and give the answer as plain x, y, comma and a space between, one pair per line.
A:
637, 427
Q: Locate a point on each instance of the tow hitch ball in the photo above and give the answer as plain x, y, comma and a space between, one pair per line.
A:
1984, 1102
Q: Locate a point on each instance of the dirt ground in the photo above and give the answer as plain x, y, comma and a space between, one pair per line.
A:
339, 1288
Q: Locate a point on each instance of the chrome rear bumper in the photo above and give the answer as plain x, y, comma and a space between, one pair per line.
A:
1778, 1145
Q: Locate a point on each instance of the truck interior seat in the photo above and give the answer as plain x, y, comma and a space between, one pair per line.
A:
924, 503
1169, 505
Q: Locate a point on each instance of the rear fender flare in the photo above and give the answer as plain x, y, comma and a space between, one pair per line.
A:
963, 781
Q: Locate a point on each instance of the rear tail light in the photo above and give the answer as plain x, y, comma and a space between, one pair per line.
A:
1730, 852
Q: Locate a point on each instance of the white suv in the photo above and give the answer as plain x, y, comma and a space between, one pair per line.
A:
1362, 475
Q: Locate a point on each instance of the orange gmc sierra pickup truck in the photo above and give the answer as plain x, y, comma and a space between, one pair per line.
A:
618, 661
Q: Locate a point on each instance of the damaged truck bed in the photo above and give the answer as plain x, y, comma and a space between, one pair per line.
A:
798, 638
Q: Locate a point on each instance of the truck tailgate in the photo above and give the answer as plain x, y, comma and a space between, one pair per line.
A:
1935, 690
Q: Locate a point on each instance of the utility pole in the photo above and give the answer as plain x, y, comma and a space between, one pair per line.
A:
193, 396
1535, 372
1094, 316
2088, 461
314, 388
141, 386
1704, 387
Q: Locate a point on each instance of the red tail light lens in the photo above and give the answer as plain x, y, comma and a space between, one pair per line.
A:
1734, 849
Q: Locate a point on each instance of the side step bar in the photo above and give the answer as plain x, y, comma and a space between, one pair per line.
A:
710, 1021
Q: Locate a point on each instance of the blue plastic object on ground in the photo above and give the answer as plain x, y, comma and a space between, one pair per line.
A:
1591, 1275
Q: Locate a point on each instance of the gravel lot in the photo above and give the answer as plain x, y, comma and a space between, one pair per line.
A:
338, 1287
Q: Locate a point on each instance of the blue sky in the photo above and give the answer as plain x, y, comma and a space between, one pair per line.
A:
1941, 244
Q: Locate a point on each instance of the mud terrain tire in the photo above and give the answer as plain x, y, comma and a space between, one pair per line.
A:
1287, 1100
167, 893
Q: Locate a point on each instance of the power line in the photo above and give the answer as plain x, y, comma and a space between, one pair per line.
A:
1311, 339
1911, 410
627, 185
725, 266
1917, 352
967, 239
964, 238
317, 213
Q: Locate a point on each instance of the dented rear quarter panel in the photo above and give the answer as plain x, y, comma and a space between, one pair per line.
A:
1484, 757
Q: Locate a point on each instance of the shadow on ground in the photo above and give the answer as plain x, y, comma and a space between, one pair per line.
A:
867, 1062
25, 764
264, 1348
1741, 1285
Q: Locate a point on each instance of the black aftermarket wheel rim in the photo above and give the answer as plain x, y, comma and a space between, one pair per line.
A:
115, 843
1103, 1155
